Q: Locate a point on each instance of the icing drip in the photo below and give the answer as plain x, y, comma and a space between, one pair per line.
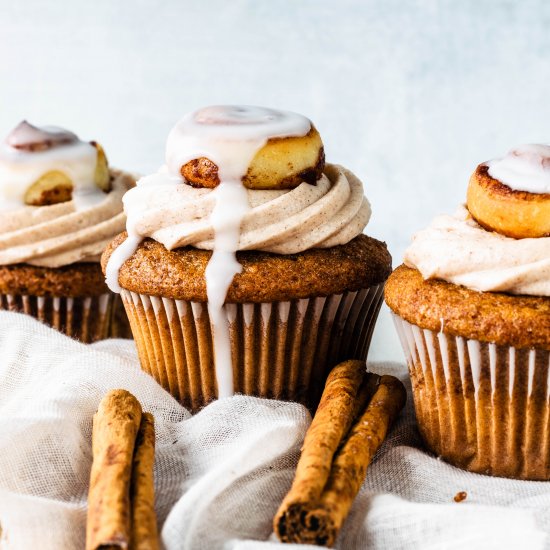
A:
229, 136
30, 152
231, 206
525, 168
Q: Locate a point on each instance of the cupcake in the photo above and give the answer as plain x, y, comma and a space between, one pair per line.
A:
244, 268
472, 308
60, 205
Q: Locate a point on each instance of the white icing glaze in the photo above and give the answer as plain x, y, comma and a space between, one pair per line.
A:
28, 137
229, 136
525, 168
20, 167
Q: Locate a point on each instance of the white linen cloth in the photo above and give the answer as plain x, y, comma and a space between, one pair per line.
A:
221, 474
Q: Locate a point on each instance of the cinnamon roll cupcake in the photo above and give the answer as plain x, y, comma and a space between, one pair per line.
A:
244, 268
472, 308
60, 205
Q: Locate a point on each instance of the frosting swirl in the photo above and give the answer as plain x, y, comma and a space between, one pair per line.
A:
458, 250
61, 234
327, 214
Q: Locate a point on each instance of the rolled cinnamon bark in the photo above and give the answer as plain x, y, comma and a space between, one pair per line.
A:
332, 421
142, 489
350, 464
115, 427
318, 502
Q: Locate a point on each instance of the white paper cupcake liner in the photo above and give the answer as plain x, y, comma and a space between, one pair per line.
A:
85, 318
281, 350
481, 406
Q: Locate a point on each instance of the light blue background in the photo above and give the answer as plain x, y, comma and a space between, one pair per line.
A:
410, 95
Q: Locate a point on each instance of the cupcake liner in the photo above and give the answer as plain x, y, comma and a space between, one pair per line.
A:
480, 406
85, 318
281, 350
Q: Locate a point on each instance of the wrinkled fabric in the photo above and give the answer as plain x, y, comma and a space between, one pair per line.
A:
220, 475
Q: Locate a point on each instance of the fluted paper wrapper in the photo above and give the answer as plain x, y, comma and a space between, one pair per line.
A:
480, 406
281, 350
87, 319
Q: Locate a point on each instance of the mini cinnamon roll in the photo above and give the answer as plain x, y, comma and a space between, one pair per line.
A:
282, 162
46, 157
511, 195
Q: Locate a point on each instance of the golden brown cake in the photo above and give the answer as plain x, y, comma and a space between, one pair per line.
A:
233, 287
495, 317
472, 309
61, 204
266, 277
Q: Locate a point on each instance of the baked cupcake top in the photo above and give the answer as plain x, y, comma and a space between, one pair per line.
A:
60, 203
500, 240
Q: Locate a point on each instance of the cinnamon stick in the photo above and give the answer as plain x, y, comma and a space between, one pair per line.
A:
331, 423
144, 534
115, 427
329, 475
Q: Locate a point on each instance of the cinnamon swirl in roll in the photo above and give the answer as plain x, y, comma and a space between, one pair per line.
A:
60, 205
247, 272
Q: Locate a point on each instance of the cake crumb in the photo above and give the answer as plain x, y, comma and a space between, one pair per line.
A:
460, 496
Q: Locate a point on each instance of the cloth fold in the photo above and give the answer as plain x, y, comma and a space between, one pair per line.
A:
220, 475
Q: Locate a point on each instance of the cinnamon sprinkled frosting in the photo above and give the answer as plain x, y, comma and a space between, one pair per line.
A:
330, 213
60, 234
458, 250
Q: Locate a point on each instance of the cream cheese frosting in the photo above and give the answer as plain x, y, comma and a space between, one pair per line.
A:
525, 168
330, 213
61, 234
458, 250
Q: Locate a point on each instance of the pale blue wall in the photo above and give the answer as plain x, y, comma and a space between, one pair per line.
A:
410, 95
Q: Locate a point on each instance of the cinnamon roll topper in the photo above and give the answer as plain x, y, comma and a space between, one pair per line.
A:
278, 149
511, 195
50, 165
